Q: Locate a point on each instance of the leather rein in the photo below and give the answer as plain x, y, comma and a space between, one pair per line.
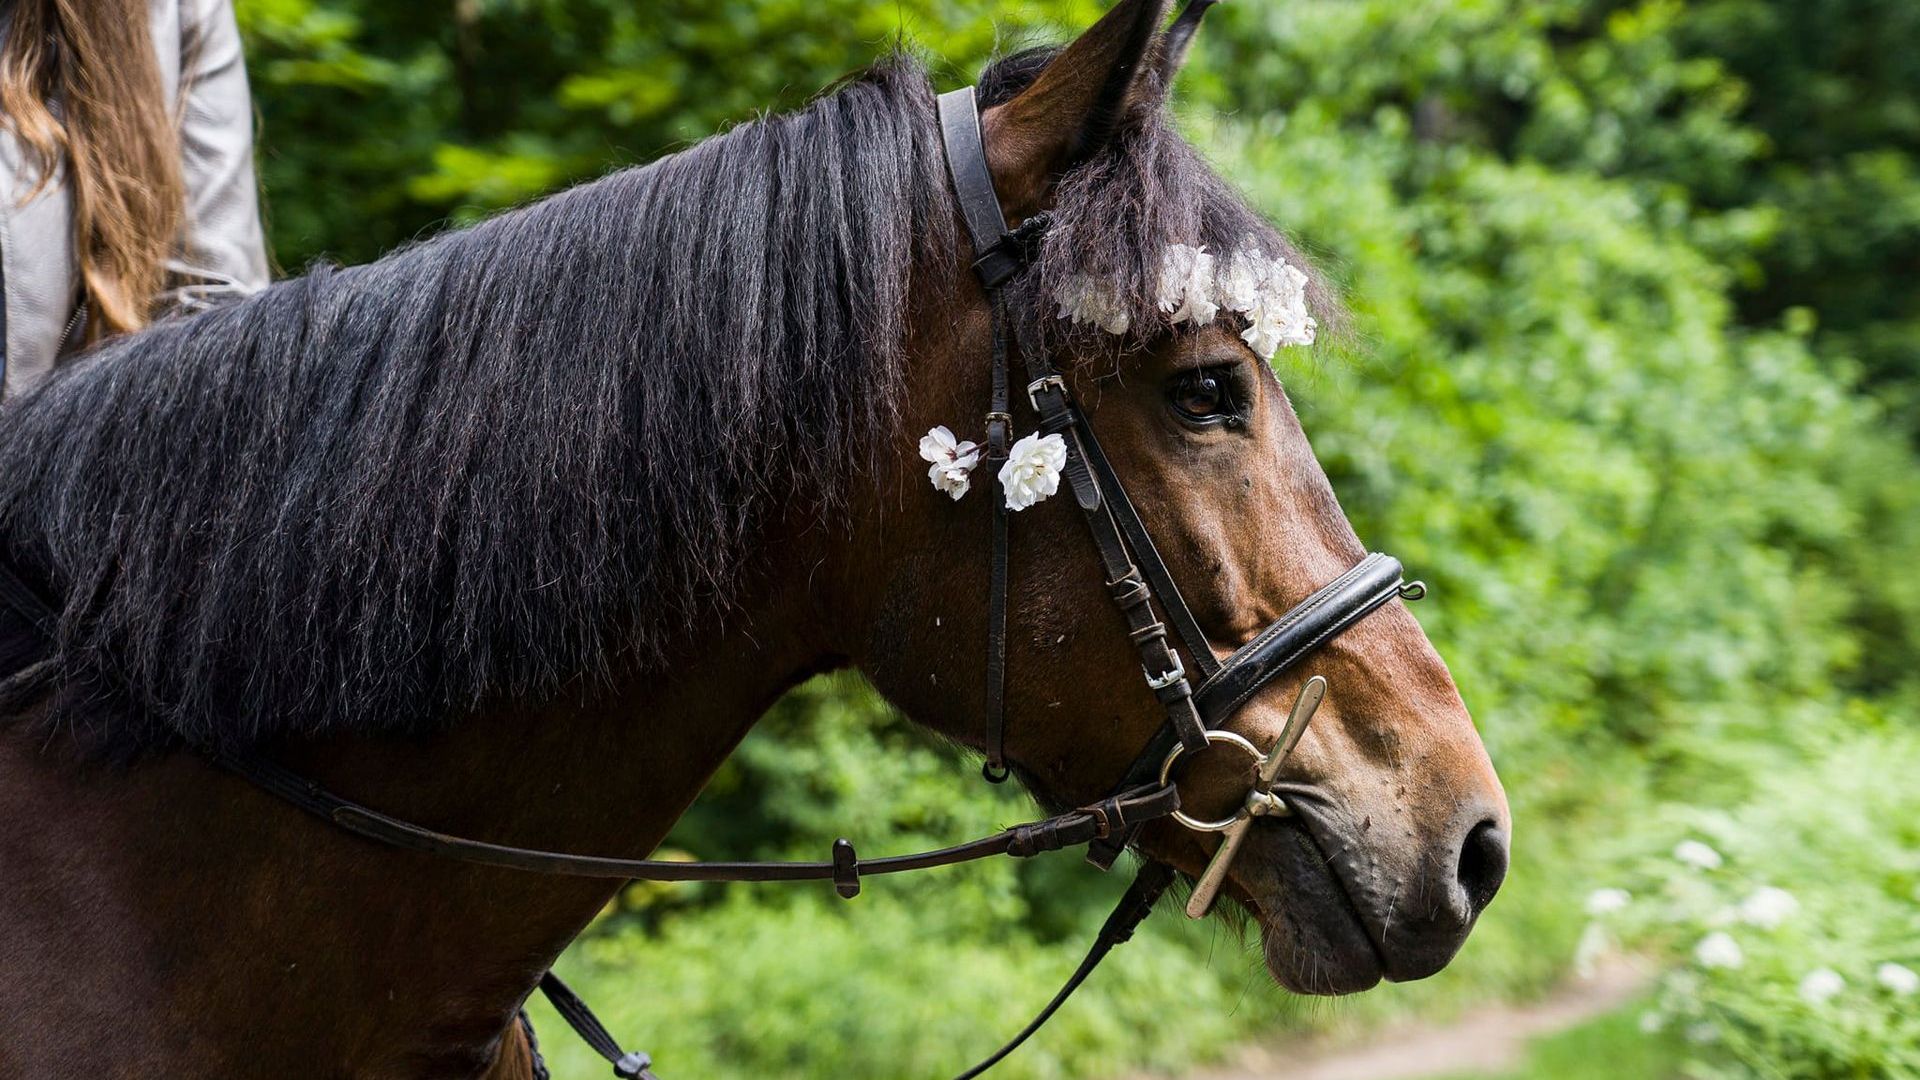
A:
1137, 579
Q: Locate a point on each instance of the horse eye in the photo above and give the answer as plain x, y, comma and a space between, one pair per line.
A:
1202, 395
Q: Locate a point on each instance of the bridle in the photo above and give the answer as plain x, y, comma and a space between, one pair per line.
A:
1199, 692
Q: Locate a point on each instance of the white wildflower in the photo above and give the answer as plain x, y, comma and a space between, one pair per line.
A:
952, 461
1084, 298
1697, 855
1768, 907
1719, 950
1607, 901
1820, 985
1652, 1022
1032, 471
1899, 978
1186, 285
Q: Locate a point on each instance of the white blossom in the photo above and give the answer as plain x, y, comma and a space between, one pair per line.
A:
1899, 978
1032, 471
952, 461
1084, 298
1269, 292
1719, 950
1768, 907
1273, 296
1186, 285
1697, 855
1821, 984
1652, 1022
1607, 901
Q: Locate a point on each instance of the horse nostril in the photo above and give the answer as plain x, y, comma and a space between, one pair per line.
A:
1483, 864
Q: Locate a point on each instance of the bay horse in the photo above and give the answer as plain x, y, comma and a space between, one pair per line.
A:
518, 531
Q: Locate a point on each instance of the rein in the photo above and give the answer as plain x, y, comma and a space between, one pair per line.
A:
1137, 579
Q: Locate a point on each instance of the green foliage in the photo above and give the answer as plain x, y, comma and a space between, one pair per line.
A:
1759, 1007
1624, 387
382, 121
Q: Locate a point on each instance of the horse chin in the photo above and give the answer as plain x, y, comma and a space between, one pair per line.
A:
1312, 938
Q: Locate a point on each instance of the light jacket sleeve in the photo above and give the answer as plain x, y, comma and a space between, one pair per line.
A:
222, 251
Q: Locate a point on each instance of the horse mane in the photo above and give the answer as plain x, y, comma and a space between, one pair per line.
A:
513, 461
503, 461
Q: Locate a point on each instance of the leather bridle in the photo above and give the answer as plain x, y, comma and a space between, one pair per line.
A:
1137, 579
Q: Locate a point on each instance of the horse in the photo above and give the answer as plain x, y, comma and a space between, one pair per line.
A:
518, 530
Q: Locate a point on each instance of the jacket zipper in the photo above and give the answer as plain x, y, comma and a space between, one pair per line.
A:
73, 324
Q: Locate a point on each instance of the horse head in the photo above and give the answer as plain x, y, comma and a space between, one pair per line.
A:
1398, 831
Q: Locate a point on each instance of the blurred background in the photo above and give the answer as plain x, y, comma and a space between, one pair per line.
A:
1636, 390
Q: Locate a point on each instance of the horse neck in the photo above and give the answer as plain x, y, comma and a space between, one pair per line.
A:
194, 894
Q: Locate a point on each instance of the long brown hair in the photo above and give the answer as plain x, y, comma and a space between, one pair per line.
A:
114, 132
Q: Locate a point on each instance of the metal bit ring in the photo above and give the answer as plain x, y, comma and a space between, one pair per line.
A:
1214, 735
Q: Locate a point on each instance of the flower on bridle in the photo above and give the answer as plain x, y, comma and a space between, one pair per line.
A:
1267, 291
952, 461
1032, 471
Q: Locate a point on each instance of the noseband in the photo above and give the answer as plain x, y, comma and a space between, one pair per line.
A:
1199, 692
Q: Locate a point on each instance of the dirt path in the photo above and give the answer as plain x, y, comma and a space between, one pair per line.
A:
1485, 1041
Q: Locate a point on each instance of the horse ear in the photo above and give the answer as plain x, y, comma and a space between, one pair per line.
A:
1178, 40
1072, 109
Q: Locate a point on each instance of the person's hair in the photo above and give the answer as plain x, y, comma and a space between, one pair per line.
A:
80, 87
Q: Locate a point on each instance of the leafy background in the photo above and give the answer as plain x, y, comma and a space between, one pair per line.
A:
1637, 391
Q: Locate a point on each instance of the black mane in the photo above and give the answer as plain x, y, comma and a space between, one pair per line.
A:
523, 456
493, 463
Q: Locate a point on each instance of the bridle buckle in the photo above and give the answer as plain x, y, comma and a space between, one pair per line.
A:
1165, 679
1034, 388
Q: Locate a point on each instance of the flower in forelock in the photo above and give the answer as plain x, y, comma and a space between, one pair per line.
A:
1084, 298
1697, 855
1032, 471
1820, 985
1768, 907
1272, 294
1899, 978
1186, 285
1719, 950
952, 461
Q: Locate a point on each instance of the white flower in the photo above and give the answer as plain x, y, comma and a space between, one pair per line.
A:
1697, 855
1607, 901
1240, 285
952, 461
1186, 285
1719, 950
1273, 297
1821, 984
1651, 1022
1768, 907
1088, 299
1032, 471
1898, 978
